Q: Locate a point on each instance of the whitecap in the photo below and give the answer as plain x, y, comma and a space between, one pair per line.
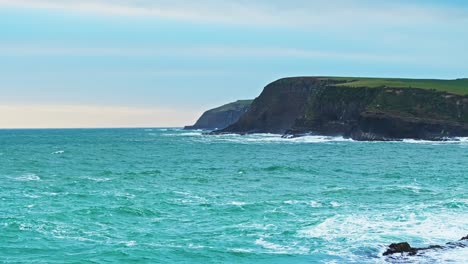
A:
418, 229
462, 139
237, 203
58, 152
240, 250
280, 249
28, 177
50, 193
96, 179
33, 196
25, 227
183, 193
458, 255
193, 246
273, 138
335, 204
257, 226
320, 139
315, 204
413, 188
454, 140
130, 243
292, 202
191, 134
186, 134
269, 245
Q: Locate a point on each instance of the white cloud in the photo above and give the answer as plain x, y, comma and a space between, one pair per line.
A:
231, 52
293, 13
77, 116
203, 51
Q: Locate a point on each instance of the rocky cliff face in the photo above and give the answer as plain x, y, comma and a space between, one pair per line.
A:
326, 106
221, 117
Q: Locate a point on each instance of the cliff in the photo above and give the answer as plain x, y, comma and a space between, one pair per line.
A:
359, 108
221, 117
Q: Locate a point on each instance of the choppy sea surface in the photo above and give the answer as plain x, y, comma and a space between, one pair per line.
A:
174, 196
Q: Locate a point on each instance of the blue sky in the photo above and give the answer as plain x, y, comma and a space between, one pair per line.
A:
73, 63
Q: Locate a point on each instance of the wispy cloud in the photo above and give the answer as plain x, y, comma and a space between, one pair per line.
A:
294, 13
235, 52
203, 51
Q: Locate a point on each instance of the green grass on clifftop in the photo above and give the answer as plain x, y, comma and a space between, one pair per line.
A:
233, 106
458, 86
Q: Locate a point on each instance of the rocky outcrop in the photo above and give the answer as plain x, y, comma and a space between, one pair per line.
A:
405, 248
327, 106
221, 117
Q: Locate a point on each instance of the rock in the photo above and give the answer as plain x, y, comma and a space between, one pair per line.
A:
405, 247
402, 247
334, 107
221, 117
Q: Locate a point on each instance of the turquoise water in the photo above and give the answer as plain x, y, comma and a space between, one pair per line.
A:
173, 196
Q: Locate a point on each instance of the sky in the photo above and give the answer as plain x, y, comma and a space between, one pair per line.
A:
161, 63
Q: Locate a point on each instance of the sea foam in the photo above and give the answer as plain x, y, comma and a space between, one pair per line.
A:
28, 177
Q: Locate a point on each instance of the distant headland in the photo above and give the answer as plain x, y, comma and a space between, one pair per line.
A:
223, 116
352, 107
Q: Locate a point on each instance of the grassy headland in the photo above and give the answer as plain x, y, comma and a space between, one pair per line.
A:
457, 86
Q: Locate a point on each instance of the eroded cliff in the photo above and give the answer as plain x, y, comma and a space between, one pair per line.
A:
359, 108
221, 117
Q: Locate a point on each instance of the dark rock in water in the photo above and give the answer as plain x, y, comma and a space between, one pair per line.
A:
343, 107
221, 117
402, 247
405, 247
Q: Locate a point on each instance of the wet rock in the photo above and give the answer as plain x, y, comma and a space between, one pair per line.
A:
402, 247
405, 247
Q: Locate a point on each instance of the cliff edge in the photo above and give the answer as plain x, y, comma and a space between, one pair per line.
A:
359, 108
221, 117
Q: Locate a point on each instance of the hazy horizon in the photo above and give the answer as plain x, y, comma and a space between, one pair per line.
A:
104, 64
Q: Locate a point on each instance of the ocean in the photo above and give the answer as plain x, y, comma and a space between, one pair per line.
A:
175, 196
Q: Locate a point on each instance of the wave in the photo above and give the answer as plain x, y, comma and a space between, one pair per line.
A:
96, 179
265, 138
374, 232
130, 243
183, 134
312, 203
240, 250
32, 196
454, 140
28, 177
237, 203
274, 248
278, 138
